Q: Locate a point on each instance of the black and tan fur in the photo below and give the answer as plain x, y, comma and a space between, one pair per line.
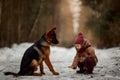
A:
36, 54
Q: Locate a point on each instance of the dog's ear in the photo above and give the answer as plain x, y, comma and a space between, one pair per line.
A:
51, 31
54, 28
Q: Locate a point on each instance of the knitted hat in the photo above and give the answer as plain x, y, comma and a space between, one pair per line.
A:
79, 39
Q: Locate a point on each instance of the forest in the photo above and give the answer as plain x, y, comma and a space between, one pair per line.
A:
26, 20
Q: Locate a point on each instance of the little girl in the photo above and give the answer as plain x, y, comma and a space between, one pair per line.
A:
85, 57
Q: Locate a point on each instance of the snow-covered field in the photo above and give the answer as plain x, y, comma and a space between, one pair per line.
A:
108, 67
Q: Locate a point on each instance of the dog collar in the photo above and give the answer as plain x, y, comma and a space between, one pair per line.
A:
45, 44
39, 52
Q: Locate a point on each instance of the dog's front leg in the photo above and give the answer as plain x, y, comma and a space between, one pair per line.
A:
48, 63
42, 68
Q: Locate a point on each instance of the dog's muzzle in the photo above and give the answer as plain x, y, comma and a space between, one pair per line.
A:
55, 41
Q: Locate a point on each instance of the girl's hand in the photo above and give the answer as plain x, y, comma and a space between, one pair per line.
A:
71, 67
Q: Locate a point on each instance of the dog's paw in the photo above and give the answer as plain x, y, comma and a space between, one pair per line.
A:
37, 74
56, 73
43, 73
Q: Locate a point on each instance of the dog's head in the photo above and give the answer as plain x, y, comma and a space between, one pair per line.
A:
51, 36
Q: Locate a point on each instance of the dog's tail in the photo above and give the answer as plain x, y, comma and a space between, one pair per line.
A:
11, 73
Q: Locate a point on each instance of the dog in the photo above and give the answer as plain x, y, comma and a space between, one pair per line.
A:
36, 54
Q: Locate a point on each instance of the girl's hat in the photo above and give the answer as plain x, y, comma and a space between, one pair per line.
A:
79, 39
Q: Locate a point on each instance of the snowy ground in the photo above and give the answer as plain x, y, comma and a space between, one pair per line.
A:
108, 67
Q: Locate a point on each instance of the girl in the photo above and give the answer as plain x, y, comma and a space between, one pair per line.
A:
85, 57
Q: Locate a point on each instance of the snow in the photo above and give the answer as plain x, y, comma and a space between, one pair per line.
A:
108, 67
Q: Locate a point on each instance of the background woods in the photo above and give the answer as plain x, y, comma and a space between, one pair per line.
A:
101, 19
23, 20
27, 20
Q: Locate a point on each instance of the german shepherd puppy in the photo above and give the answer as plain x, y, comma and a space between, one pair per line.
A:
36, 54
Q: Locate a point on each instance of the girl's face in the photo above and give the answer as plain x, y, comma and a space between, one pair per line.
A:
77, 46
